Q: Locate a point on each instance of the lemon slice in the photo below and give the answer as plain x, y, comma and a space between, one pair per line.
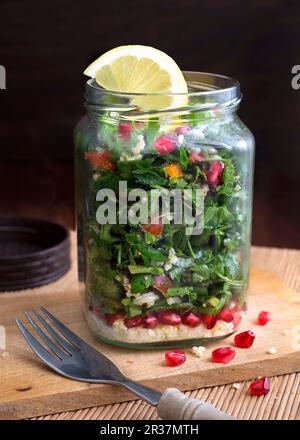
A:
141, 70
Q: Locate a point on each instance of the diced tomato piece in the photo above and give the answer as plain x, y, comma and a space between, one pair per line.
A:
155, 229
100, 160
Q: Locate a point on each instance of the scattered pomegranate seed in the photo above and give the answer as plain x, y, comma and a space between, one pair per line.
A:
165, 144
169, 318
214, 173
209, 321
223, 355
182, 130
225, 315
263, 318
174, 358
162, 283
135, 321
191, 319
150, 321
260, 387
110, 318
125, 129
244, 339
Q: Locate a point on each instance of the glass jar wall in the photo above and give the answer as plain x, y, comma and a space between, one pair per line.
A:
164, 199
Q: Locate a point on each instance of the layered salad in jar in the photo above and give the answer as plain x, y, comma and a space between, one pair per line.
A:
151, 279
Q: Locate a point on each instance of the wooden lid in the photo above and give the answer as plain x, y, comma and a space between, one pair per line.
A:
32, 253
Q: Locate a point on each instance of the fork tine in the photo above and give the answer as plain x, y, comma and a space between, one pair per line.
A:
74, 339
39, 350
62, 342
59, 353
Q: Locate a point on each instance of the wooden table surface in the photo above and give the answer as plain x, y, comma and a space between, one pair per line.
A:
283, 401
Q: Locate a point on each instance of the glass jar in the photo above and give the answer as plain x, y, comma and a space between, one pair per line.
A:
158, 267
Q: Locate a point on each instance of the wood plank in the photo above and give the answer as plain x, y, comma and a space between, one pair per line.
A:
28, 388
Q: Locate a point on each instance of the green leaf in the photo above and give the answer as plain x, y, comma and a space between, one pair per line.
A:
179, 291
228, 179
152, 131
140, 283
149, 254
183, 158
131, 308
231, 282
145, 269
108, 180
148, 177
126, 168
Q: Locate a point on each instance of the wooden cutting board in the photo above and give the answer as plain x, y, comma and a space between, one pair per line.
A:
28, 388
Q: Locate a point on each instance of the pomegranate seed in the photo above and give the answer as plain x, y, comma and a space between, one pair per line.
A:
165, 144
225, 315
169, 318
150, 321
244, 339
135, 321
125, 130
110, 318
182, 130
174, 358
223, 355
214, 173
209, 321
263, 318
191, 319
260, 387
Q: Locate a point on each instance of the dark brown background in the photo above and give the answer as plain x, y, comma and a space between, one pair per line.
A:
45, 45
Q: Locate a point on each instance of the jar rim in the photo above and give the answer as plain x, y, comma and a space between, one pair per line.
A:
211, 83
206, 91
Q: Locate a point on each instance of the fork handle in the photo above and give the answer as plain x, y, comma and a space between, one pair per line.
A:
148, 394
173, 405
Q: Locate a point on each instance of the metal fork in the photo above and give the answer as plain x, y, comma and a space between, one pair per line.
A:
71, 357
